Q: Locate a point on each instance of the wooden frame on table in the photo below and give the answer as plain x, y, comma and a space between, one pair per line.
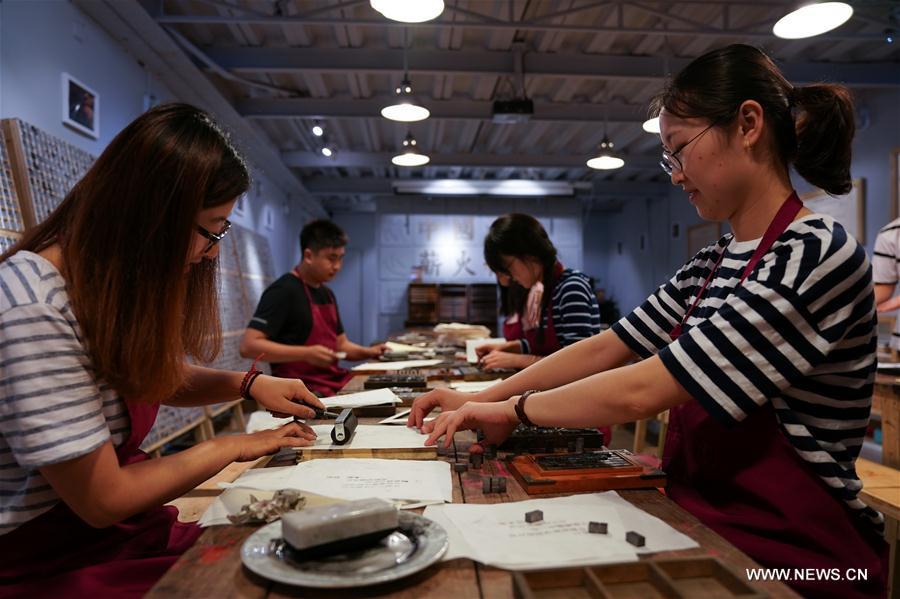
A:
849, 209
701, 235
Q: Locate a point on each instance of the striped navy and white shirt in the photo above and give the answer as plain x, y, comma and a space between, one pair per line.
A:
52, 408
575, 312
799, 333
886, 265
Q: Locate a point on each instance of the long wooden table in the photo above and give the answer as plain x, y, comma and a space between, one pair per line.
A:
212, 567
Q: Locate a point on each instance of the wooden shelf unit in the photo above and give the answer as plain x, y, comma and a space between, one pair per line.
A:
431, 303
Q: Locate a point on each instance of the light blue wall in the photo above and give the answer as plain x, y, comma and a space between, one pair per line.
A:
631, 276
41, 39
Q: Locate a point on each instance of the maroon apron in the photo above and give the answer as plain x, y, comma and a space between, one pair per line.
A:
748, 484
329, 380
513, 330
57, 554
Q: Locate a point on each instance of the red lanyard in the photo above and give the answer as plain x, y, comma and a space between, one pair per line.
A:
779, 225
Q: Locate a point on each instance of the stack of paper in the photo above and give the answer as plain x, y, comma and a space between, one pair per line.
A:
369, 436
403, 347
498, 535
376, 397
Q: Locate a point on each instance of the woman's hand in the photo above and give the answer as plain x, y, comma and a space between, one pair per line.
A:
285, 397
443, 398
255, 445
482, 350
496, 420
501, 359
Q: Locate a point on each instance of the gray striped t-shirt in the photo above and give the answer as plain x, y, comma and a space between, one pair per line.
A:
52, 407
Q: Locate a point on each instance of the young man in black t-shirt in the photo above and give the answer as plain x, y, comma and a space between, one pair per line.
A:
297, 325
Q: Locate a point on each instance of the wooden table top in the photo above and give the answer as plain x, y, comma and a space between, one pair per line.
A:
212, 567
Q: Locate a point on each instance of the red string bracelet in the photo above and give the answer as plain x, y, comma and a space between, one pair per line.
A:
250, 377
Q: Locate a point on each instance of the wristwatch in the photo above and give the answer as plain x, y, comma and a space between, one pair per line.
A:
520, 408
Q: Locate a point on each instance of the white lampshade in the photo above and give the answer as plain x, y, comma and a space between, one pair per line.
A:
406, 112
651, 125
410, 159
606, 162
812, 19
409, 11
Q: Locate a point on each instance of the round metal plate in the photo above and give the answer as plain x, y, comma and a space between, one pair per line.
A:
417, 544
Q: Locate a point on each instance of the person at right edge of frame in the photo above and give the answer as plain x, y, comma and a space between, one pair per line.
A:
762, 346
297, 327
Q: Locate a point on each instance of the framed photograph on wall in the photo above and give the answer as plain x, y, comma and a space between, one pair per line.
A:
895, 183
849, 209
700, 236
80, 107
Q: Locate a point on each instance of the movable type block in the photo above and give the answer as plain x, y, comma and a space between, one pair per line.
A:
460, 467
534, 516
499, 484
597, 528
476, 460
634, 538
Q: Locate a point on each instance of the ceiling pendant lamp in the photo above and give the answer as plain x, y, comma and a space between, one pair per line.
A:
405, 108
812, 19
607, 160
410, 157
651, 125
409, 11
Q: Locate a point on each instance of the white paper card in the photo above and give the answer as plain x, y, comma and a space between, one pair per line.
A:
473, 386
262, 420
376, 397
368, 436
350, 478
388, 366
403, 347
401, 417
471, 344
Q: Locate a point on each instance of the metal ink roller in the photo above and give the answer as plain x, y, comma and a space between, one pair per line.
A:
339, 528
344, 427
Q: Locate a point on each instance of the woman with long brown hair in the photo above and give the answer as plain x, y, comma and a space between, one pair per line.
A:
100, 306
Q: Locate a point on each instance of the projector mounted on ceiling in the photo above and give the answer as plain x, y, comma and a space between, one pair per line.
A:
510, 112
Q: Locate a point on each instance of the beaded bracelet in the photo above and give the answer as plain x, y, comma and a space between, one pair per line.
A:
250, 377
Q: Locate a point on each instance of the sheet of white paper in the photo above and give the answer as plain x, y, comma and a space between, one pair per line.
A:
369, 436
375, 397
498, 535
401, 416
473, 386
350, 478
388, 366
889, 366
471, 534
403, 347
262, 420
471, 344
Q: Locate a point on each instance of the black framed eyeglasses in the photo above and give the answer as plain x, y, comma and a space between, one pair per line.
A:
214, 238
670, 161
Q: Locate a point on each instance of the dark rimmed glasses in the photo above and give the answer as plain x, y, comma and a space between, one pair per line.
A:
670, 162
214, 238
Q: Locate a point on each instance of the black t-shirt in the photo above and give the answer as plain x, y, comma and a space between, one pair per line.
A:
283, 312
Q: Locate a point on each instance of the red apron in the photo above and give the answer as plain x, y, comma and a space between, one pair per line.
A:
57, 554
512, 329
325, 381
748, 484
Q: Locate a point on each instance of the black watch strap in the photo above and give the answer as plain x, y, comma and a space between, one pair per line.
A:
520, 408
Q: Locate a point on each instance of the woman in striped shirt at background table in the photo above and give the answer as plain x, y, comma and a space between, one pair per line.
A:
100, 305
762, 346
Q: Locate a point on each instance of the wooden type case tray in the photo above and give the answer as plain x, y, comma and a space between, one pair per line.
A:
539, 474
686, 578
